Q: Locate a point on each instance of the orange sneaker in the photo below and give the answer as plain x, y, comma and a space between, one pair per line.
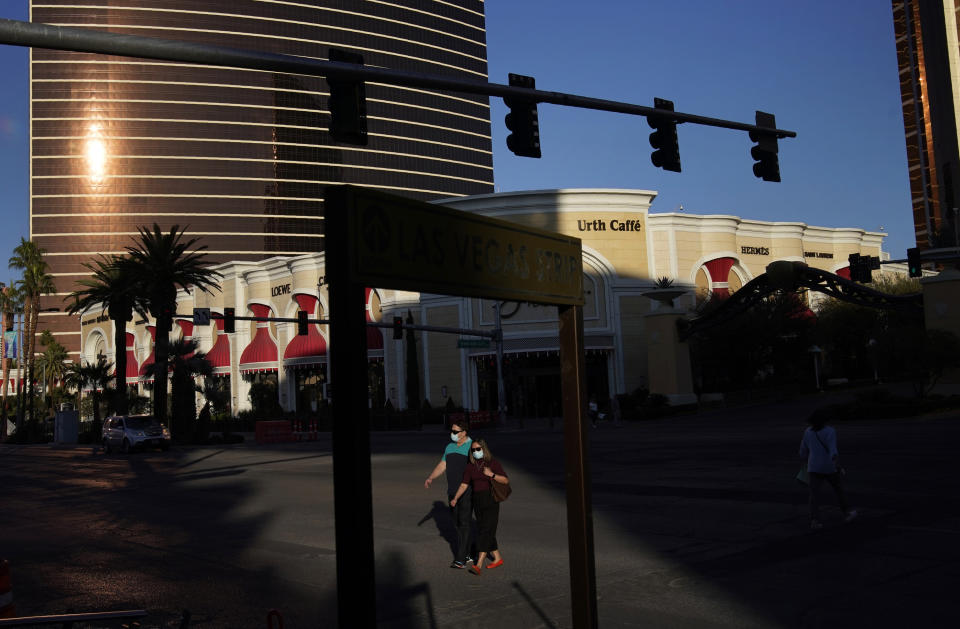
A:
495, 564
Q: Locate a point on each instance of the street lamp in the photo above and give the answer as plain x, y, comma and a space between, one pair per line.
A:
501, 393
501, 407
816, 351
956, 229
872, 348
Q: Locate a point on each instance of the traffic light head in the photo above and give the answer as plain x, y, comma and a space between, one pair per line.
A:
853, 263
522, 121
767, 166
914, 268
229, 322
397, 328
861, 267
664, 138
347, 103
302, 323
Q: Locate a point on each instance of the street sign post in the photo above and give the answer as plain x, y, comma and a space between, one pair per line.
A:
411, 245
383, 240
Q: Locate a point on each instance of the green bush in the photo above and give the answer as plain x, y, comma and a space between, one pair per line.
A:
887, 406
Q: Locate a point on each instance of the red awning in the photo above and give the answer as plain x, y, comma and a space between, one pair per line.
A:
374, 335
219, 354
133, 372
152, 329
719, 271
261, 353
309, 350
186, 327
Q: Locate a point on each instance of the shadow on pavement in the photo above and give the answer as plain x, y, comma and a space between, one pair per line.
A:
440, 514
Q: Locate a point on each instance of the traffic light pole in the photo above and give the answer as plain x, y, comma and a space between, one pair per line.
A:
20, 33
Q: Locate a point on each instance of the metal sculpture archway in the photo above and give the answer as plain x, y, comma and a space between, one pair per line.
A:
789, 276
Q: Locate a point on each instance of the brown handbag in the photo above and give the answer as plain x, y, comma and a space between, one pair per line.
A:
500, 491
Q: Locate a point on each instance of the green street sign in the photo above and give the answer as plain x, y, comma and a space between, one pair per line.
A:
473, 343
412, 245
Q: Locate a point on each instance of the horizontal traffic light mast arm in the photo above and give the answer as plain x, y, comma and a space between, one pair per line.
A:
948, 254
434, 328
20, 33
217, 315
372, 324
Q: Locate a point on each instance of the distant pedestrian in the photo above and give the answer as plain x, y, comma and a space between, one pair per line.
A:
593, 410
480, 473
818, 448
453, 463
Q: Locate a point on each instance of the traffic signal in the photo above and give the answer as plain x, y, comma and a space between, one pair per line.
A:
229, 320
858, 267
861, 267
913, 262
522, 120
302, 323
664, 138
397, 328
201, 316
765, 152
347, 103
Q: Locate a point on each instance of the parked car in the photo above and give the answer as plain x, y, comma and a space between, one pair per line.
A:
134, 432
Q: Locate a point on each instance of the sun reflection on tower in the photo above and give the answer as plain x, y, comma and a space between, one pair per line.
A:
95, 154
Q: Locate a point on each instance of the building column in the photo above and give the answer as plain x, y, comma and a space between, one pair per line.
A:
941, 311
668, 359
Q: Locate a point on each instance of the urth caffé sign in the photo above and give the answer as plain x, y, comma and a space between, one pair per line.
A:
616, 225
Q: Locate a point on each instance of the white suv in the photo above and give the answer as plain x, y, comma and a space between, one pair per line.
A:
133, 432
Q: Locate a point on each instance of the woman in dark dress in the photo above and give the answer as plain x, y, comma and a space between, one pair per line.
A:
482, 470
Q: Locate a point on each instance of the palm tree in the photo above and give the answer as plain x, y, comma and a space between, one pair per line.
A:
36, 281
160, 263
185, 364
96, 376
110, 287
9, 307
52, 362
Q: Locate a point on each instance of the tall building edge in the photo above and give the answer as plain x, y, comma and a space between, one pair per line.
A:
239, 157
928, 56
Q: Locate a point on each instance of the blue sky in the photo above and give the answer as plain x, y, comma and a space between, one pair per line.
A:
826, 69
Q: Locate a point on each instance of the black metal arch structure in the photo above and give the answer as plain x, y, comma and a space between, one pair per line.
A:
789, 276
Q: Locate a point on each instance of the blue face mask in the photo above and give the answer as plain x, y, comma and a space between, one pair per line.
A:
454, 436
478, 454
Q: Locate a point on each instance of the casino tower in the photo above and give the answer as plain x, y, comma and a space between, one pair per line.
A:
240, 157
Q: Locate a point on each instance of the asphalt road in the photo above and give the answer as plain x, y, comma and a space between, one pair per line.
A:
698, 523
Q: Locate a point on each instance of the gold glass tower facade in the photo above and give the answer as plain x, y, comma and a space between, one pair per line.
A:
928, 54
240, 157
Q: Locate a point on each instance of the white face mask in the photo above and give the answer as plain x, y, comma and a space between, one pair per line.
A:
478, 454
454, 436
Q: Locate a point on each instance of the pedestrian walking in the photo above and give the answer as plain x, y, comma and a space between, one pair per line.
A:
454, 461
818, 449
593, 410
480, 473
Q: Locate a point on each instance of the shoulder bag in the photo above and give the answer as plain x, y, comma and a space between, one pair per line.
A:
500, 491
